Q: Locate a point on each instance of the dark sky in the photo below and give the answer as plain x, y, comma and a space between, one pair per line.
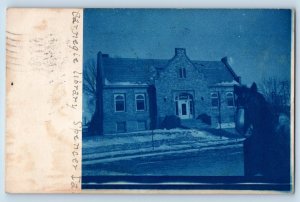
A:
257, 42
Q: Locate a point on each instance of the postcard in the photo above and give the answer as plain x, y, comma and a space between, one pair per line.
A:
180, 101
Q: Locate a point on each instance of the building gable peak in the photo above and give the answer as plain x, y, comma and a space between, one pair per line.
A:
180, 52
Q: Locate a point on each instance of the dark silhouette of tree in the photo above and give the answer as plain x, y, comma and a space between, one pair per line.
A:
89, 77
89, 89
92, 87
277, 92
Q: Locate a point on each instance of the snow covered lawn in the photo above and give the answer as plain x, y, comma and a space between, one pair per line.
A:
154, 144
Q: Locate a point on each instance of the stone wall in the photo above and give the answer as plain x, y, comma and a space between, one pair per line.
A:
168, 84
130, 116
227, 113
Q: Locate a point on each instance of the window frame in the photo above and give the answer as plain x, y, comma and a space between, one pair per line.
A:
216, 97
115, 102
232, 97
182, 73
136, 102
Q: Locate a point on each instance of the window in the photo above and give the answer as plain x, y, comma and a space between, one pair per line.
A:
230, 100
119, 102
141, 125
140, 102
182, 73
214, 100
121, 127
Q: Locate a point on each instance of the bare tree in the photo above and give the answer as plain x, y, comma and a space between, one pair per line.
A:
92, 88
89, 89
276, 91
89, 78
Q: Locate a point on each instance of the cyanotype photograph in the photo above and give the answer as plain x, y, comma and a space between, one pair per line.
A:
188, 99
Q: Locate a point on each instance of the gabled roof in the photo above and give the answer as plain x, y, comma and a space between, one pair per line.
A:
142, 71
130, 69
215, 71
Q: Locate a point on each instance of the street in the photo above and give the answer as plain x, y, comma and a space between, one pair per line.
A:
216, 160
219, 162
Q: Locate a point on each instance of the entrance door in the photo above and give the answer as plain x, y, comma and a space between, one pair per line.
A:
184, 109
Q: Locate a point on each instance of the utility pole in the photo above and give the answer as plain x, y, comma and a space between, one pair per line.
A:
152, 139
220, 118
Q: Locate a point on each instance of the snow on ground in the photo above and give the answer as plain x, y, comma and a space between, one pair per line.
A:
116, 147
226, 125
205, 135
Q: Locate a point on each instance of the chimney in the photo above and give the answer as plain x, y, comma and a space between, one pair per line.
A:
100, 70
226, 63
225, 60
179, 51
105, 55
96, 125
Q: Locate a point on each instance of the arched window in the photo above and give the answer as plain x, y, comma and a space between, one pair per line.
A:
119, 102
214, 99
140, 102
230, 99
182, 72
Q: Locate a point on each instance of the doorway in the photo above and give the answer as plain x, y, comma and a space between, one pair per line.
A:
184, 106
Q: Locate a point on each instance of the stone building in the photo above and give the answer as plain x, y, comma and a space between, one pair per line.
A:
137, 94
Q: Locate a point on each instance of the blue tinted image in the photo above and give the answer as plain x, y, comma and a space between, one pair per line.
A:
187, 99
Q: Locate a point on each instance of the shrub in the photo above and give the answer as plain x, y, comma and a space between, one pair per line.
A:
205, 118
170, 122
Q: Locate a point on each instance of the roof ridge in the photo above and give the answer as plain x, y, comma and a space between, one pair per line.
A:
134, 58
